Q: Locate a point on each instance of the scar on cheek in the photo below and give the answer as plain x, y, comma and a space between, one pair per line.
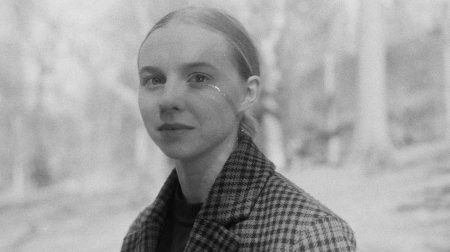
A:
225, 96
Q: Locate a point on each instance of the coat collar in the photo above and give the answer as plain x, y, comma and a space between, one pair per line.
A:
235, 190
229, 201
144, 233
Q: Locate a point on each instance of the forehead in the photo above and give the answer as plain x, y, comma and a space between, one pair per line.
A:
184, 43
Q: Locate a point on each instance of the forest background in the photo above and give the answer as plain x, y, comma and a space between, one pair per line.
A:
355, 109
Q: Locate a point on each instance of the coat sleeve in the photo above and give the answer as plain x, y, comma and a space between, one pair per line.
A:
327, 234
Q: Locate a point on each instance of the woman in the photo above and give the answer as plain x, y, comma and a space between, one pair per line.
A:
199, 75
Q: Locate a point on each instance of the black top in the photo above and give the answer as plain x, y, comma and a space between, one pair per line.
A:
179, 223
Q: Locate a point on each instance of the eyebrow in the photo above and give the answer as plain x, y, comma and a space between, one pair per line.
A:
148, 69
197, 64
183, 67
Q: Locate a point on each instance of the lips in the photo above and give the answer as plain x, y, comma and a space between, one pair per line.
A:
174, 126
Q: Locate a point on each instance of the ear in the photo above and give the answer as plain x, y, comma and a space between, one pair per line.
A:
251, 92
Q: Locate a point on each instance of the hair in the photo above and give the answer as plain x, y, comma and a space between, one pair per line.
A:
244, 52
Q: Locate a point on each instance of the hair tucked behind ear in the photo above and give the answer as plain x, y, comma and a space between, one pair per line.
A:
248, 124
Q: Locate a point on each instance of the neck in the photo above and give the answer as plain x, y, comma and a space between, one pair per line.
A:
197, 175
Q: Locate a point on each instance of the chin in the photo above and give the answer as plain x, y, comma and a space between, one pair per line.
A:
178, 151
189, 147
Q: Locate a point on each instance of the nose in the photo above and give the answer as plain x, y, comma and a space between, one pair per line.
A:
172, 97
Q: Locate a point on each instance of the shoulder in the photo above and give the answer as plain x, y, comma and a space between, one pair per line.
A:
136, 234
283, 193
309, 224
156, 212
324, 233
141, 219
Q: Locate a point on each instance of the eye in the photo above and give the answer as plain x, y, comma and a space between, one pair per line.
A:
153, 80
199, 78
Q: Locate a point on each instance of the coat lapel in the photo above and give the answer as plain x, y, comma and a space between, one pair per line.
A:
144, 233
231, 198
210, 236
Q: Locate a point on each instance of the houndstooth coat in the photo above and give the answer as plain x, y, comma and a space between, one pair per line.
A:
250, 207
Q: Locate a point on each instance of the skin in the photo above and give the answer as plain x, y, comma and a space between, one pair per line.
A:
188, 77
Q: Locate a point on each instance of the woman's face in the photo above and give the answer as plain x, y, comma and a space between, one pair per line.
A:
189, 91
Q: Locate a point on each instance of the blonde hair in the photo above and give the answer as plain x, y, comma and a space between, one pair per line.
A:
244, 51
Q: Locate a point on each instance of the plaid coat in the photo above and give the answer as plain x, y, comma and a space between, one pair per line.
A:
250, 207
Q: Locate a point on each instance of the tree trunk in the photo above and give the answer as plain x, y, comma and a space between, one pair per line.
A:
371, 141
12, 81
333, 50
333, 148
271, 125
39, 168
446, 63
21, 149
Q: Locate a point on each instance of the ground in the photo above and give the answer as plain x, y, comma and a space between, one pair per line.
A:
401, 209
388, 211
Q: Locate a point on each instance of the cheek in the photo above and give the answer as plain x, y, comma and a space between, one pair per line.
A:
214, 112
147, 107
234, 90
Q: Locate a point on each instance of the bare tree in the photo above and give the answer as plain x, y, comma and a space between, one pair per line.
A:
22, 148
273, 133
371, 141
331, 56
446, 56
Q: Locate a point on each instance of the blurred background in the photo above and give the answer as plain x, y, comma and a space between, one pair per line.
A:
355, 110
